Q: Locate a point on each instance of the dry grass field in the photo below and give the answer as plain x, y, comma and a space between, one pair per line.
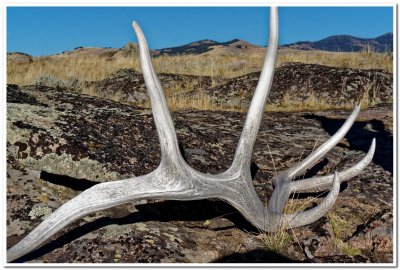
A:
77, 69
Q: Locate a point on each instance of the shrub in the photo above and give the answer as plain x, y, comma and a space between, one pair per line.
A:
72, 84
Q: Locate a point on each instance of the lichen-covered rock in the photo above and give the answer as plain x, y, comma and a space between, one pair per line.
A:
59, 144
127, 86
298, 83
376, 235
40, 212
294, 84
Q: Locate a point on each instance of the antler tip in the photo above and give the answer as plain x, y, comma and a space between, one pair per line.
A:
373, 146
135, 25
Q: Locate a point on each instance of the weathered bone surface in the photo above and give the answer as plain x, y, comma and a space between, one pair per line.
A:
174, 179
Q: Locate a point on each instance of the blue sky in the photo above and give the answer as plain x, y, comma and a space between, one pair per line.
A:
48, 30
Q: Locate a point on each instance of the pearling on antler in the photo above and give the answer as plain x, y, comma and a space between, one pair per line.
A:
174, 179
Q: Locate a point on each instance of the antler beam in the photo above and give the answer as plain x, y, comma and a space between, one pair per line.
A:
174, 179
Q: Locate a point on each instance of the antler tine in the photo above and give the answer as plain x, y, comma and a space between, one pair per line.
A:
277, 202
159, 105
324, 182
291, 173
310, 216
96, 198
279, 220
250, 129
283, 183
283, 189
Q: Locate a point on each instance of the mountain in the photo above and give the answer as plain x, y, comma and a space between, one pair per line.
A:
346, 43
208, 46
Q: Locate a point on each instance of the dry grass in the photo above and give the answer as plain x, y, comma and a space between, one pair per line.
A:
84, 68
92, 68
310, 104
199, 101
67, 69
277, 241
280, 239
202, 101
358, 60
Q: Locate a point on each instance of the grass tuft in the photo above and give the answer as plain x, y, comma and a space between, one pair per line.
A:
276, 241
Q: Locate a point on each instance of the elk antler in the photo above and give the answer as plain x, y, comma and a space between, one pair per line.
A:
174, 179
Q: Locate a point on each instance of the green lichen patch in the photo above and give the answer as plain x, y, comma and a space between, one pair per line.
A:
347, 214
40, 212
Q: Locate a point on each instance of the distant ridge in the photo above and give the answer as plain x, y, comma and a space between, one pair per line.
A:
347, 43
207, 45
338, 43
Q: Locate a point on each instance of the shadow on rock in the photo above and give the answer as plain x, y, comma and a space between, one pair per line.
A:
316, 194
199, 210
256, 256
360, 136
161, 211
66, 181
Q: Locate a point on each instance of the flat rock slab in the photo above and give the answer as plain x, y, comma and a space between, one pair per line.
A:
59, 144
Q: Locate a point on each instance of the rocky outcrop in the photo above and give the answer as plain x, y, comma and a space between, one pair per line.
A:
19, 58
127, 86
294, 85
91, 52
59, 144
297, 83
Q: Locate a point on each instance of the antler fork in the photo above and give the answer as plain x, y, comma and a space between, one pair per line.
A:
174, 179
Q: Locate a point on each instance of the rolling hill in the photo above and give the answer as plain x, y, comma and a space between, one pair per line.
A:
208, 46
